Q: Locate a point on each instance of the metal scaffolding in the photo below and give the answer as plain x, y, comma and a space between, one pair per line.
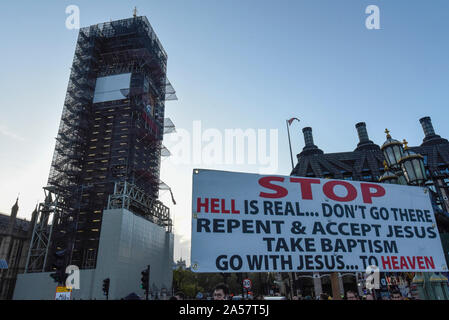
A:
48, 211
128, 196
104, 144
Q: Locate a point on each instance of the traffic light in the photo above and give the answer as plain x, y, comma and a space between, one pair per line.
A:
59, 265
145, 279
106, 287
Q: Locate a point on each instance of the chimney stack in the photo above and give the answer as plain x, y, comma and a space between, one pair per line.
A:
361, 130
308, 137
430, 137
310, 148
364, 142
427, 126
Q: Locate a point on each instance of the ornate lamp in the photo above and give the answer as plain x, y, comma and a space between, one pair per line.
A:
401, 177
388, 176
393, 151
412, 165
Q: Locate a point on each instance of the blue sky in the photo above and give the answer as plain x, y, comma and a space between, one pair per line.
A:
234, 64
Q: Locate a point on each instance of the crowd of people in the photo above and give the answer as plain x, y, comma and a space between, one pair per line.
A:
221, 292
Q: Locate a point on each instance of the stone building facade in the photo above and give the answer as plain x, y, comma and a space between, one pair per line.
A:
15, 237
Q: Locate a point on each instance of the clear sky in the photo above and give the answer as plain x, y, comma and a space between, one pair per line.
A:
234, 64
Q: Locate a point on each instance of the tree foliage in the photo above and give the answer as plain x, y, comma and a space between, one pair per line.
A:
191, 283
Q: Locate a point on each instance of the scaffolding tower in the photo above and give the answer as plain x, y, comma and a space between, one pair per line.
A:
102, 145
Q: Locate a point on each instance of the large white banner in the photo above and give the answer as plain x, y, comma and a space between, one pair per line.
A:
255, 223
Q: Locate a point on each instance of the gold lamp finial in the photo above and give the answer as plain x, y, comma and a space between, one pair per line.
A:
135, 12
405, 144
388, 133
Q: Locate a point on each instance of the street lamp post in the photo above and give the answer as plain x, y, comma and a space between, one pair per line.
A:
406, 165
407, 168
388, 177
412, 165
392, 151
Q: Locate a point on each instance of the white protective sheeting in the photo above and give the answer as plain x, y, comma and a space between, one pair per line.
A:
128, 244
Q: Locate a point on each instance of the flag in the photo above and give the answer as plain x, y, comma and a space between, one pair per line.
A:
291, 120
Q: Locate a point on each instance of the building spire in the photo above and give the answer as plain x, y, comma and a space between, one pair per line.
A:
12, 218
135, 12
15, 207
33, 220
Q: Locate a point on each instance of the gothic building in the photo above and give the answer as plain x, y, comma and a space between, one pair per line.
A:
15, 237
365, 163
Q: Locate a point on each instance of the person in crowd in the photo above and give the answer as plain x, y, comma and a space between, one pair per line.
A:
396, 295
324, 296
179, 295
385, 296
369, 296
221, 292
351, 295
